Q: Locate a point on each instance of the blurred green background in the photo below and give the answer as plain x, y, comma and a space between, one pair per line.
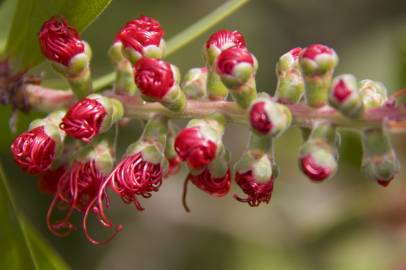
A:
348, 222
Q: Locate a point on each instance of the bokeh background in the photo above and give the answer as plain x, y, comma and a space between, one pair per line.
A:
348, 222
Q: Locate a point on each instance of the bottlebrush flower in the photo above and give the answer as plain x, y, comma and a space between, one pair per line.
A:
267, 117
79, 186
196, 145
221, 40
142, 37
317, 64
344, 96
35, 150
158, 81
255, 176
59, 41
91, 116
290, 87
318, 160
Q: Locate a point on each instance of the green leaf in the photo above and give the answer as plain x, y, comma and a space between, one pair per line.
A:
21, 246
187, 35
22, 43
7, 8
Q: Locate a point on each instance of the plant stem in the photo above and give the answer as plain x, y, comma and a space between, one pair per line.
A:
186, 36
47, 100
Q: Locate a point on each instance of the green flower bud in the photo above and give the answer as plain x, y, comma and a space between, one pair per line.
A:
290, 87
344, 96
194, 83
373, 94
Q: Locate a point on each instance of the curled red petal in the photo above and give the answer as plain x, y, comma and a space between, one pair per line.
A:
193, 147
314, 50
34, 150
231, 57
256, 192
59, 41
153, 77
84, 119
141, 32
224, 37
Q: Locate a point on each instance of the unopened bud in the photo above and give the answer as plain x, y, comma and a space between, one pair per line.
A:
344, 96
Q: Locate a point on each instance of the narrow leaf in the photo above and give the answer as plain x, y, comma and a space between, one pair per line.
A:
21, 246
22, 43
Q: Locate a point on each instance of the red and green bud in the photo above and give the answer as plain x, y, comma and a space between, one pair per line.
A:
379, 162
194, 83
142, 37
124, 81
290, 87
91, 116
254, 175
373, 94
218, 42
267, 117
236, 68
69, 55
344, 96
317, 63
199, 142
319, 155
159, 81
35, 150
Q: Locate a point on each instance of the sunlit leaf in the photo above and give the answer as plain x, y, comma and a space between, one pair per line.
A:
22, 43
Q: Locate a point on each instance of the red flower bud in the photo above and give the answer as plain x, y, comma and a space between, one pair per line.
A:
84, 119
193, 147
314, 50
341, 91
384, 182
224, 39
59, 41
140, 33
34, 150
231, 57
153, 77
313, 169
77, 188
256, 192
218, 187
295, 52
259, 118
48, 181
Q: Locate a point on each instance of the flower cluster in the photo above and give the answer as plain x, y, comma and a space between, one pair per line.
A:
79, 172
